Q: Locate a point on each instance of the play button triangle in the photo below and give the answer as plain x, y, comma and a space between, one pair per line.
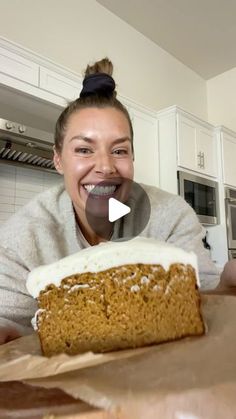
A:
116, 209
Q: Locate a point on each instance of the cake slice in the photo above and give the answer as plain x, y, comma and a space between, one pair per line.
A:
117, 295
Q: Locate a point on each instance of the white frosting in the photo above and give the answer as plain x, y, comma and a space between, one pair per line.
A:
34, 319
109, 255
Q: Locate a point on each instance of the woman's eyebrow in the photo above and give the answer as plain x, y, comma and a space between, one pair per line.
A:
121, 140
91, 140
82, 137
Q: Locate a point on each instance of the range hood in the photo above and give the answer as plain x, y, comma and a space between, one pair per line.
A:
27, 146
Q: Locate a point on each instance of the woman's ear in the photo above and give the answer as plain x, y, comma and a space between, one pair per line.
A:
57, 161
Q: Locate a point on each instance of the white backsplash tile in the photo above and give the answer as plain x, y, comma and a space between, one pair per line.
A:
6, 191
23, 201
7, 182
30, 185
18, 185
4, 168
4, 199
7, 208
21, 193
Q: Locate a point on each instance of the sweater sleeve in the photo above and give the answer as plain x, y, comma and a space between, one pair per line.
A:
187, 232
40, 233
16, 306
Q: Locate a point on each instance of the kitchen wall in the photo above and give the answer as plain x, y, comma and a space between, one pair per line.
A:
222, 99
74, 33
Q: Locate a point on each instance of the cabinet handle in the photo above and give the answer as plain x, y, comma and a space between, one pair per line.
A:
203, 160
199, 156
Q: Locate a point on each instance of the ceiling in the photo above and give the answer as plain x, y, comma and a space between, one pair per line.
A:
199, 33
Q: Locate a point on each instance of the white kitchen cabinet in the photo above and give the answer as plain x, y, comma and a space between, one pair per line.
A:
228, 144
146, 159
186, 134
18, 67
32, 75
207, 151
185, 143
59, 84
196, 146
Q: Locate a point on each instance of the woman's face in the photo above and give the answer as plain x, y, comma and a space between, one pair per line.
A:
97, 148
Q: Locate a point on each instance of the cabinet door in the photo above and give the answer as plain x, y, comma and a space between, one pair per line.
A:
59, 84
187, 143
206, 151
18, 67
196, 147
146, 163
229, 159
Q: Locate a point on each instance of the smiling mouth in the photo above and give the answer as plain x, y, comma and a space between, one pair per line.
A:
101, 190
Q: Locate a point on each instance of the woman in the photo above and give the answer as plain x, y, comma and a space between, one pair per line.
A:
93, 148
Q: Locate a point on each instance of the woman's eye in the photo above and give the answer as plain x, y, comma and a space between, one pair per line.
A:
120, 151
83, 150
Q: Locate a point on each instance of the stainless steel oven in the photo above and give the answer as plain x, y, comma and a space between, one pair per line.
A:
202, 195
230, 210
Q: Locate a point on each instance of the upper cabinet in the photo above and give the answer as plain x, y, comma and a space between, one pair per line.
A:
59, 84
196, 144
18, 67
33, 75
227, 140
185, 143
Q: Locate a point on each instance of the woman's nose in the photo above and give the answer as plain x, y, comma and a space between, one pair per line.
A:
105, 164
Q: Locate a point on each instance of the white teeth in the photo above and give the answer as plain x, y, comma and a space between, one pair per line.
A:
89, 187
100, 190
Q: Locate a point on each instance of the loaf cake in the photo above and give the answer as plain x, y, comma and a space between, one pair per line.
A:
117, 295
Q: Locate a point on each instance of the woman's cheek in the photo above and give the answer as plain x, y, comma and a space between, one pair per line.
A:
126, 169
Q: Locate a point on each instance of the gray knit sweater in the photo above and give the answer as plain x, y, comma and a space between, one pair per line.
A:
45, 230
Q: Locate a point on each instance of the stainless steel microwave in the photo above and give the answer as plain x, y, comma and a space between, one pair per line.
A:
202, 195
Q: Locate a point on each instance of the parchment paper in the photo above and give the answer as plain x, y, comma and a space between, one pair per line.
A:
23, 359
189, 379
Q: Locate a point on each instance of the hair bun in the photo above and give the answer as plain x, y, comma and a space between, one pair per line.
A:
99, 83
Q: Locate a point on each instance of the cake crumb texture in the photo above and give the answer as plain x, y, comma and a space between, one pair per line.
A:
124, 307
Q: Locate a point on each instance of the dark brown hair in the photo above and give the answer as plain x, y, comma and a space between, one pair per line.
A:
94, 100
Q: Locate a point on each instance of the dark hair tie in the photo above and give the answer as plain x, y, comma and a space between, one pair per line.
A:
100, 83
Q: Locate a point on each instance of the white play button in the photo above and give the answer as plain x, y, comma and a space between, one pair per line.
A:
116, 210
104, 208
